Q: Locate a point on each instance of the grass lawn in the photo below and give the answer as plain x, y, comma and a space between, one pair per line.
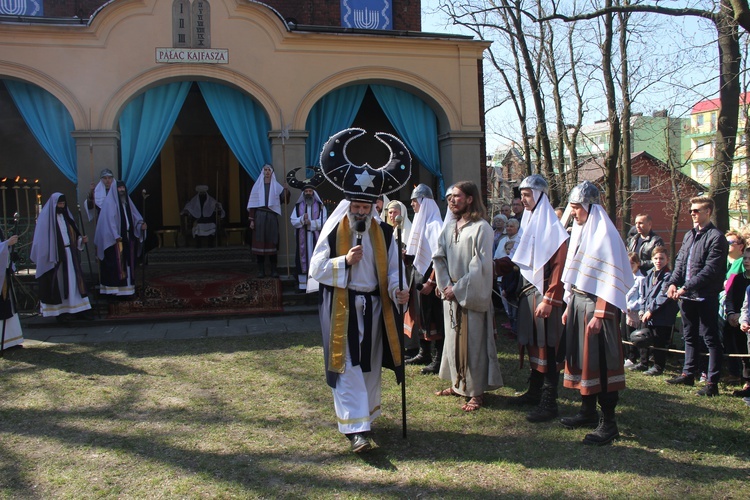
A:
252, 417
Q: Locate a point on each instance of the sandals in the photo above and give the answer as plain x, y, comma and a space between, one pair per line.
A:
447, 392
473, 404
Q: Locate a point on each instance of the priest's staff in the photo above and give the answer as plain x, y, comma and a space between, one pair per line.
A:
284, 136
400, 325
144, 257
86, 246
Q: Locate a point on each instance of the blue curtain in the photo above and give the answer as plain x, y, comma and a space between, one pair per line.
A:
49, 122
335, 111
243, 124
145, 125
416, 123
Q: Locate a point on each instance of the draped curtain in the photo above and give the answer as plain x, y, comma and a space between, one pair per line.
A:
49, 122
416, 123
335, 111
243, 124
145, 125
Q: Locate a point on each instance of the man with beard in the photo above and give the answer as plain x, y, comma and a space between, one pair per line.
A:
118, 236
463, 268
425, 314
62, 291
597, 277
308, 218
98, 192
540, 256
204, 210
356, 264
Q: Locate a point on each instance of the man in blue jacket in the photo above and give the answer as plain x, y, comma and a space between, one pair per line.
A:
696, 282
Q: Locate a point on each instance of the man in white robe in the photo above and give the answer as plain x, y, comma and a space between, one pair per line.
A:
12, 335
204, 211
55, 250
463, 268
307, 218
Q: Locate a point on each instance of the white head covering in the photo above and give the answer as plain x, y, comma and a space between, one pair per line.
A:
193, 207
330, 224
424, 235
405, 224
108, 228
257, 197
301, 196
541, 236
44, 246
597, 260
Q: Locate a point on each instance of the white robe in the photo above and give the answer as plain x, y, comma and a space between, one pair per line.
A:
466, 264
315, 226
13, 332
356, 396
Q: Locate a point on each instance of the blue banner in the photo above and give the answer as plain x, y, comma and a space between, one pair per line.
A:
21, 7
367, 14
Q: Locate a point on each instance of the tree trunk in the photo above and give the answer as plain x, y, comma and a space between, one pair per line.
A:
610, 160
625, 163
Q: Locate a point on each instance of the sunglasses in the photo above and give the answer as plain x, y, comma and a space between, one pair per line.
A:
732, 242
696, 210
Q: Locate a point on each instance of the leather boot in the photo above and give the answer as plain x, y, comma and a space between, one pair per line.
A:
607, 430
587, 416
437, 355
533, 394
423, 357
547, 409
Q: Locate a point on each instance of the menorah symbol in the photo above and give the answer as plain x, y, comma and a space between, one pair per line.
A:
18, 7
366, 19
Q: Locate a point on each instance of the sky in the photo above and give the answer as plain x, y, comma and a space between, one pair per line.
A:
677, 93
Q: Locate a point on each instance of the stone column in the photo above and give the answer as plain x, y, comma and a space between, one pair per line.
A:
461, 157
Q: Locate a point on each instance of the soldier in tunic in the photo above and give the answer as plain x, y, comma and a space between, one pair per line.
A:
118, 238
56, 252
263, 211
204, 210
597, 277
463, 268
540, 256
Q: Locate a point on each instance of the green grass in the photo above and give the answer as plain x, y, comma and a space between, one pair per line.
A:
252, 417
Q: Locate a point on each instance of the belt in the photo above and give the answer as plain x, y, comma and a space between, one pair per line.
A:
374, 293
526, 289
582, 293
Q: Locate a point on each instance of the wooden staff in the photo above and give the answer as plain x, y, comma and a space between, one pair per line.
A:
400, 324
144, 258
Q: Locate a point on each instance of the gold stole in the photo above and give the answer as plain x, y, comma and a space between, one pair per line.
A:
340, 305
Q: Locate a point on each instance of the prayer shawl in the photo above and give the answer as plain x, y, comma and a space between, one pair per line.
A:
541, 236
405, 224
100, 192
597, 261
425, 231
341, 308
257, 197
109, 229
193, 207
317, 218
44, 249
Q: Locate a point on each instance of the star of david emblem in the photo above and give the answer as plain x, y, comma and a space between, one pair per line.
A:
364, 180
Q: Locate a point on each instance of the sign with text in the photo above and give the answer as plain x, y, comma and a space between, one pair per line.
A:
192, 56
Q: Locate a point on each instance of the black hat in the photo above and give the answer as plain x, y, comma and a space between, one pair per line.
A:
363, 182
642, 338
313, 178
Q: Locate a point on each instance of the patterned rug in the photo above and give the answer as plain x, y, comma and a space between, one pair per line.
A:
201, 292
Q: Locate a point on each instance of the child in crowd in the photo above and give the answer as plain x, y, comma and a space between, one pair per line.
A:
510, 288
658, 312
744, 318
632, 319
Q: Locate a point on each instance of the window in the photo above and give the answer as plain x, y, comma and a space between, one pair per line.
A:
700, 171
699, 120
640, 184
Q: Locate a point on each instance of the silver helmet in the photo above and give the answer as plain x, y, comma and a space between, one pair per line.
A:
536, 182
585, 193
422, 191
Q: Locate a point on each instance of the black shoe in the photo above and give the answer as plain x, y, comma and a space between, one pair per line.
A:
360, 444
605, 433
581, 419
683, 379
542, 413
420, 359
742, 393
432, 368
709, 390
528, 398
261, 273
274, 274
653, 371
638, 367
